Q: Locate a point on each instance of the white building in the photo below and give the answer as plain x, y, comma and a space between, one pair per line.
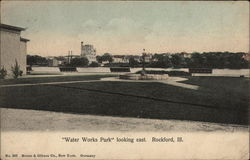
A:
148, 57
54, 62
89, 52
120, 59
12, 47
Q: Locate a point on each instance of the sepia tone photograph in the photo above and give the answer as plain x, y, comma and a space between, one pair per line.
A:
149, 77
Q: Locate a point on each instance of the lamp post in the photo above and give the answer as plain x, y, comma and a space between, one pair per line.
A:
143, 62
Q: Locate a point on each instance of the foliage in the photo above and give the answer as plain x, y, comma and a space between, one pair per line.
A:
36, 60
218, 60
105, 57
16, 70
133, 62
79, 62
3, 73
170, 73
200, 60
178, 61
161, 61
94, 64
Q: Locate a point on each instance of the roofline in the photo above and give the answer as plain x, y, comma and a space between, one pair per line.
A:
24, 39
15, 28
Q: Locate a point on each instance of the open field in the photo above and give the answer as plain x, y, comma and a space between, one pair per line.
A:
218, 99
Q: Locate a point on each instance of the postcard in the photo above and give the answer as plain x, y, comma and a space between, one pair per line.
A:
124, 80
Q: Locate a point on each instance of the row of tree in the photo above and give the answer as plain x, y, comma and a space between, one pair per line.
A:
178, 60
194, 60
74, 62
201, 60
37, 60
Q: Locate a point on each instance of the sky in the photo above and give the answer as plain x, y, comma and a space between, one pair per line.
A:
127, 27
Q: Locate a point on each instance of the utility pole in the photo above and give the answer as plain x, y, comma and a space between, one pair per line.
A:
68, 56
143, 60
71, 56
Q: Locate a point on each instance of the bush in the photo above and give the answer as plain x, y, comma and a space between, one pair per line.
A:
3, 73
16, 70
178, 73
170, 73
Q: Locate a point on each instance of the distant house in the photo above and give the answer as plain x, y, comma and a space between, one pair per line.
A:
137, 58
148, 58
246, 57
186, 55
54, 62
120, 59
13, 47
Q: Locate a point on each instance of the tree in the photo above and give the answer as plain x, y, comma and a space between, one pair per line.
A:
107, 57
79, 62
178, 60
16, 70
99, 59
161, 61
36, 60
197, 60
133, 62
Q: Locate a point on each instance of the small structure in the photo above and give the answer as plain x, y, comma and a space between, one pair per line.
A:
54, 62
13, 48
120, 59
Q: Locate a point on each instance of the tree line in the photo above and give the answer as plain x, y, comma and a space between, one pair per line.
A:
219, 60
201, 60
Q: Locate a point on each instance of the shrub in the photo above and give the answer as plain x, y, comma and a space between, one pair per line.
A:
3, 73
16, 70
170, 73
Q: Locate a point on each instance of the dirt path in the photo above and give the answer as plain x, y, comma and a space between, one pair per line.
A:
30, 120
175, 81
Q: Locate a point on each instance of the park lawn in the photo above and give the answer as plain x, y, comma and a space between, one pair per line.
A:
227, 97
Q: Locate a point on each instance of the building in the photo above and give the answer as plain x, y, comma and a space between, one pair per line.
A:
246, 56
89, 52
54, 62
137, 58
148, 57
120, 59
186, 55
12, 47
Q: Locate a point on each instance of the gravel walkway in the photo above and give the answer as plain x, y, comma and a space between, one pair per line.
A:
31, 120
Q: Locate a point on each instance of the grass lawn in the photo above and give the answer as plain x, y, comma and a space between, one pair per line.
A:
227, 96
